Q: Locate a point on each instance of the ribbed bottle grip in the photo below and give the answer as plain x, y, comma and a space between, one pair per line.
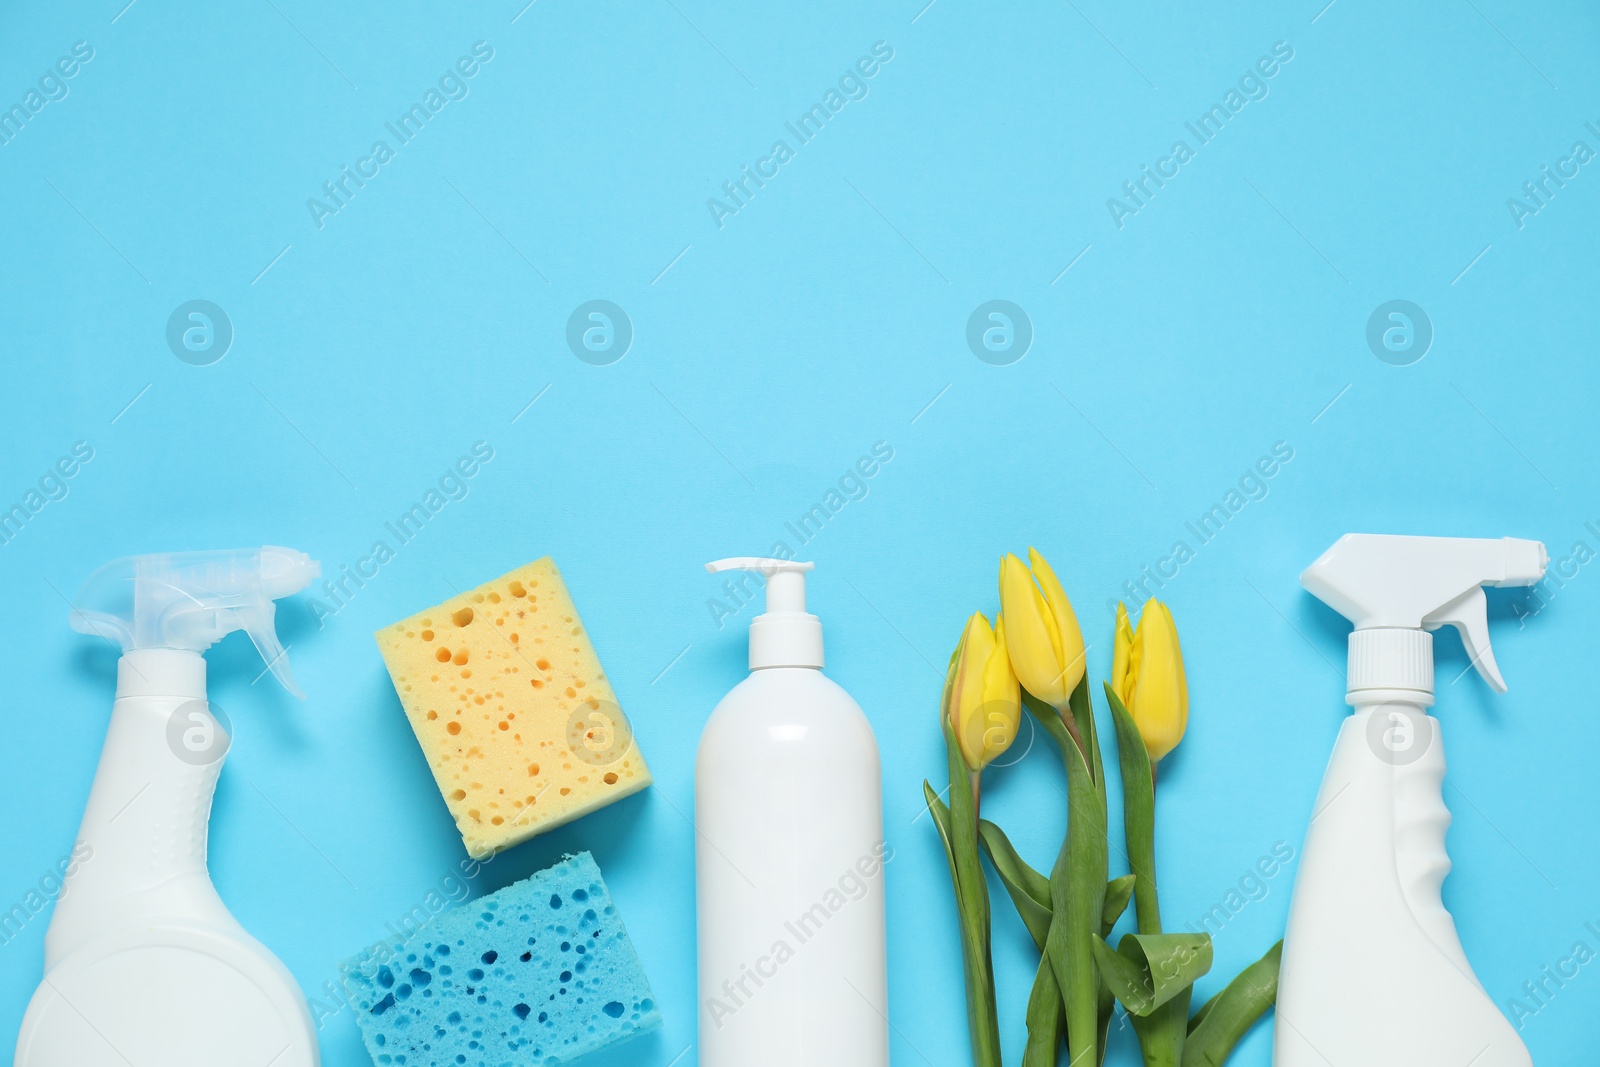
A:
1420, 823
1391, 658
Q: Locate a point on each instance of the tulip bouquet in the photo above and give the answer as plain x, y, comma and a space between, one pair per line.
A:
1034, 658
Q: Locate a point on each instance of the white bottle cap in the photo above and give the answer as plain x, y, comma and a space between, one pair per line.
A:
785, 635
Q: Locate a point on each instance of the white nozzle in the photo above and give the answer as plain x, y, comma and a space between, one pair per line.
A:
191, 600
785, 635
1395, 589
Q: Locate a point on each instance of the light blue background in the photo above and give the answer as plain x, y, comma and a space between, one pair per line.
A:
828, 314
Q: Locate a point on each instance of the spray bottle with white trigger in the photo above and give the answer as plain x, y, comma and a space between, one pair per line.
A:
1373, 970
144, 964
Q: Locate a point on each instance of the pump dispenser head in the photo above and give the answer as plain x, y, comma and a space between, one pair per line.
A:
192, 600
785, 635
1396, 589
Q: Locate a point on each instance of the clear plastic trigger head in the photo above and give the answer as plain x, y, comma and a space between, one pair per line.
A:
192, 600
264, 635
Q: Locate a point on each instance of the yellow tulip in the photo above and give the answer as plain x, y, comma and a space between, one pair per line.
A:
1044, 639
981, 699
1147, 674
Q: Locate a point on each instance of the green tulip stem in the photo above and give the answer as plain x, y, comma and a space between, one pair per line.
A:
1070, 914
1065, 714
1078, 880
1161, 1033
1046, 1019
972, 905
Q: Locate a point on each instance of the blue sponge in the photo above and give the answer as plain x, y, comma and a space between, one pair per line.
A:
540, 972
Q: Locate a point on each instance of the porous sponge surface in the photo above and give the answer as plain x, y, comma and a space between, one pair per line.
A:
513, 712
541, 972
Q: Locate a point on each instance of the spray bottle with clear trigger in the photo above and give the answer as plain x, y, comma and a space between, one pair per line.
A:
1373, 970
143, 962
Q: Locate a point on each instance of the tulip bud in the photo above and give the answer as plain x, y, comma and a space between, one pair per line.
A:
1042, 635
1147, 674
981, 698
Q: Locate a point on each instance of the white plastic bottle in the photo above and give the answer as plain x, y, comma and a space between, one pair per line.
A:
144, 964
1373, 971
789, 855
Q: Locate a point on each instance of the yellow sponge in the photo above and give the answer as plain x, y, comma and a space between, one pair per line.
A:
515, 716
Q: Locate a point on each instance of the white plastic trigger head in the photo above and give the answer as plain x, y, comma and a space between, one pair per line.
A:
1469, 614
1395, 587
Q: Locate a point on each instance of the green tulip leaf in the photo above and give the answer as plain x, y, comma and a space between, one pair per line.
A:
1138, 813
1083, 718
1228, 1016
1148, 970
972, 904
1049, 720
1118, 892
1046, 1019
941, 819
1029, 890
1205, 1009
1128, 981
1078, 879
1162, 1032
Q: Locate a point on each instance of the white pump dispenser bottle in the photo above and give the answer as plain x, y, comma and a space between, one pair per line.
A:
789, 855
1373, 971
143, 962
